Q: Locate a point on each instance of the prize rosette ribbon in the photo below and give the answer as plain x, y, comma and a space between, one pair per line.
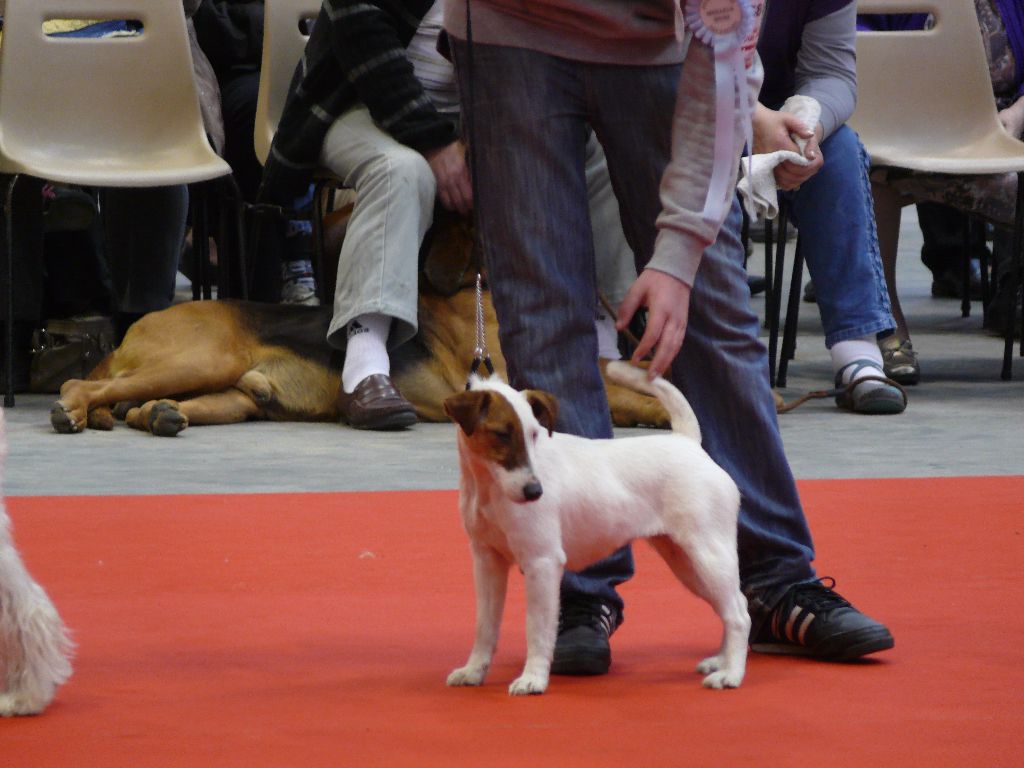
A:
724, 25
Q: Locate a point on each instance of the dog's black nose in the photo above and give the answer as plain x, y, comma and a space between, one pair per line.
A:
532, 491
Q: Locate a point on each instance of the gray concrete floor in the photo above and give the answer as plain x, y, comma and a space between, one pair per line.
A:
961, 420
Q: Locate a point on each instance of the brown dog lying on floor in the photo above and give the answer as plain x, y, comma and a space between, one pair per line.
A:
226, 361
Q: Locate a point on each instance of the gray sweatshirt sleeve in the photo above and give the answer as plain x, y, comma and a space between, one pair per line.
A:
826, 66
683, 233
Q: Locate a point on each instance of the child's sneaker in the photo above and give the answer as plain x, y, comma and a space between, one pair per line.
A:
297, 283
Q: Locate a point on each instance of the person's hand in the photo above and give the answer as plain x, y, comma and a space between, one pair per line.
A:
454, 188
773, 131
667, 299
1012, 118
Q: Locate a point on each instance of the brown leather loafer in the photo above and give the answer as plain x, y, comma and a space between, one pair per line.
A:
376, 404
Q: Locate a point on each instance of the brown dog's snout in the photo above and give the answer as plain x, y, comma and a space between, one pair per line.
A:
532, 490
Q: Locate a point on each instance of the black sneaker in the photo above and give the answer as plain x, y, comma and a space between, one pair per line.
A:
582, 647
813, 620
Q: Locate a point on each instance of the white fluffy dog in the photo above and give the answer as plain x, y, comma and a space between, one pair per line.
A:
35, 648
548, 501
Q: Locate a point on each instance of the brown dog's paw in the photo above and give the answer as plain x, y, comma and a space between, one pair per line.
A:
165, 420
63, 421
101, 418
257, 386
121, 409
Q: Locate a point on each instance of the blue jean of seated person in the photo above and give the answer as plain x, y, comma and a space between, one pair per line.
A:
835, 214
533, 121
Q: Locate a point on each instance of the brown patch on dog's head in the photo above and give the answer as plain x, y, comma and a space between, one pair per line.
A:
545, 407
490, 422
466, 408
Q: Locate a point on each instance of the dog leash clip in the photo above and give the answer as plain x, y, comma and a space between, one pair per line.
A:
480, 351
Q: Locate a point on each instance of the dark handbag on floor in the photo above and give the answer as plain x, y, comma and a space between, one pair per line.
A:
68, 349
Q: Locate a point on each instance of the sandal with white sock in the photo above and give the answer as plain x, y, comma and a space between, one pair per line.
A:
885, 397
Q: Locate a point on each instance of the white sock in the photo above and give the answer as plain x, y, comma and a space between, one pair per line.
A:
607, 336
367, 350
846, 352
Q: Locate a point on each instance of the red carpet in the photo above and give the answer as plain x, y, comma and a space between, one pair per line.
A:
317, 630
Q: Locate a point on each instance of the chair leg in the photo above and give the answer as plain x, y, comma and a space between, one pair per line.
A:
202, 271
788, 351
1014, 277
769, 282
225, 246
986, 288
8, 207
238, 219
319, 245
231, 262
745, 233
775, 306
965, 300
198, 260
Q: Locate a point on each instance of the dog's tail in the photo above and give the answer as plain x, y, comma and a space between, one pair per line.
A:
684, 421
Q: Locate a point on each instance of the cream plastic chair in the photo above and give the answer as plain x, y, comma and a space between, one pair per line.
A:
283, 44
925, 103
114, 112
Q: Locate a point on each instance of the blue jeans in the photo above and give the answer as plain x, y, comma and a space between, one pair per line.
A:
529, 120
836, 218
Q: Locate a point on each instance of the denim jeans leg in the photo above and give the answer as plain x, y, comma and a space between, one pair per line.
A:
723, 371
530, 130
723, 366
835, 215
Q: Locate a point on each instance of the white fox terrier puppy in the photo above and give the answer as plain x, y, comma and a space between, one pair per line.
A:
547, 501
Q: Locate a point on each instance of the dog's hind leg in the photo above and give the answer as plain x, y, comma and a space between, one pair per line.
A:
490, 578
166, 418
710, 570
162, 418
34, 645
228, 407
171, 376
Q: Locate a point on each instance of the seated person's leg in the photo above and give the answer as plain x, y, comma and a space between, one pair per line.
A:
143, 234
944, 230
375, 299
835, 215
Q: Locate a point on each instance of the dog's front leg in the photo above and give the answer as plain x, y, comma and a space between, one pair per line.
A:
34, 645
490, 577
543, 577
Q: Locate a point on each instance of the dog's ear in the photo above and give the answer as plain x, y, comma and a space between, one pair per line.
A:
467, 408
545, 407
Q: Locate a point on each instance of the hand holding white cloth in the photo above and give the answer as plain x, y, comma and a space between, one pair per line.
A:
757, 187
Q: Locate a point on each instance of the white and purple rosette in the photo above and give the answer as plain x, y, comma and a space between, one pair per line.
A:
724, 25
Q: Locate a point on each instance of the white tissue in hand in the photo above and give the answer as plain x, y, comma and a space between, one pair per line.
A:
757, 188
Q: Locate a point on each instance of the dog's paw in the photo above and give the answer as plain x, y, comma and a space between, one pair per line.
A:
14, 705
717, 676
101, 418
723, 679
122, 408
257, 386
64, 421
467, 676
710, 664
165, 420
528, 685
